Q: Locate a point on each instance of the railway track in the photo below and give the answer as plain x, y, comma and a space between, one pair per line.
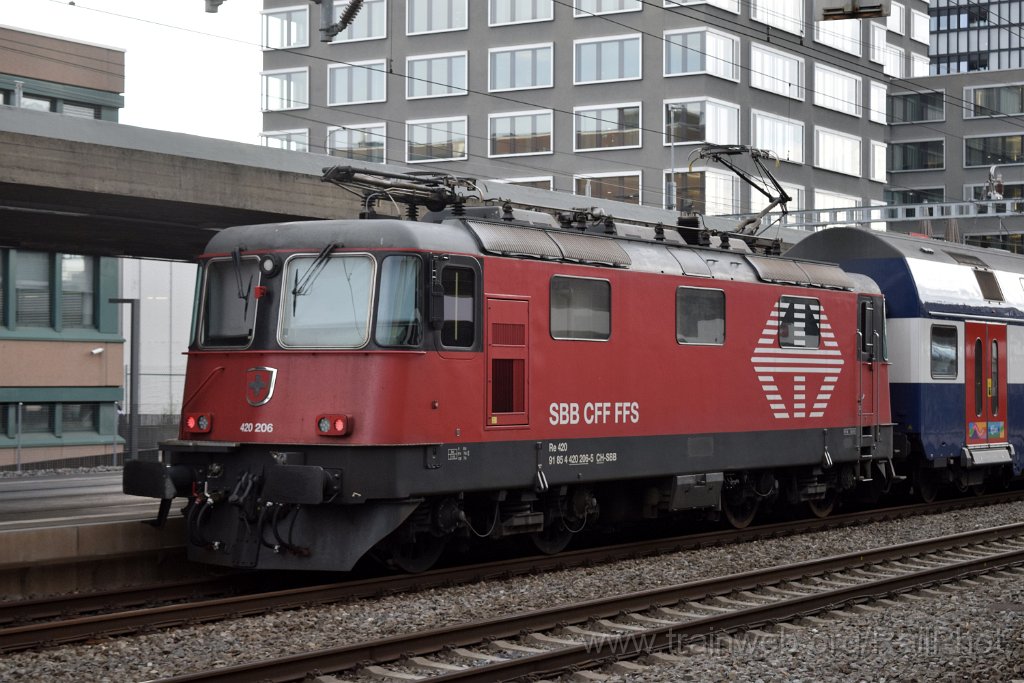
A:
30, 624
559, 640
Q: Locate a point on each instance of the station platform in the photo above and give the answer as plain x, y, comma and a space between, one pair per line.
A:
67, 533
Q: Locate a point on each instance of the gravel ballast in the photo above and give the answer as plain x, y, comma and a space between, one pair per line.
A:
187, 649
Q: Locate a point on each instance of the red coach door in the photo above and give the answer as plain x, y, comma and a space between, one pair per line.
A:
985, 376
507, 362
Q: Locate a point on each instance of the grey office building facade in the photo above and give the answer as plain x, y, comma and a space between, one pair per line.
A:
600, 97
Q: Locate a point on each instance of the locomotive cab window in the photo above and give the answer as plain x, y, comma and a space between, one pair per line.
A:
700, 316
229, 303
799, 322
399, 322
327, 300
944, 359
581, 308
459, 326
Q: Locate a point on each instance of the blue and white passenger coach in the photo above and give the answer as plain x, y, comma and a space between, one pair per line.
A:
955, 317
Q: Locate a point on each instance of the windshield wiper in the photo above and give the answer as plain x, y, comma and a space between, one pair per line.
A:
243, 294
302, 287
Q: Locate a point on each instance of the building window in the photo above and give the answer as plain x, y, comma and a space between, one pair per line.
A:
894, 59
728, 5
824, 200
879, 95
707, 192
919, 65
999, 100
613, 126
878, 167
919, 30
799, 322
459, 326
777, 72
520, 67
587, 8
538, 183
370, 24
80, 111
435, 75
896, 18
436, 140
33, 296
617, 187
998, 149
944, 345
37, 418
520, 133
917, 107
599, 60
285, 89
363, 142
879, 43
838, 90
835, 151
699, 51
581, 308
915, 196
79, 417
784, 137
787, 15
708, 120
797, 200
520, 11
292, 140
285, 27
843, 34
433, 16
700, 316
357, 83
77, 291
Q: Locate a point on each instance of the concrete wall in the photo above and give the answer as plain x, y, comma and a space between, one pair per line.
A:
47, 58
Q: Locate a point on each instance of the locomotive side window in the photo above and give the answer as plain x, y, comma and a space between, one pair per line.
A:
459, 328
230, 305
580, 308
327, 301
944, 352
700, 316
799, 322
398, 311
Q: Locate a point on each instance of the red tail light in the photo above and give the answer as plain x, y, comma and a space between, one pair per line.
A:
333, 425
198, 423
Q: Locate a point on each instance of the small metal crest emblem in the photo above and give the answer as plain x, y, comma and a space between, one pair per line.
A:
259, 385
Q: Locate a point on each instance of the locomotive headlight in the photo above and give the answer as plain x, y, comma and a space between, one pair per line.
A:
270, 265
333, 425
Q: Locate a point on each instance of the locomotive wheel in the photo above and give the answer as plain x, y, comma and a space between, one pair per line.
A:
553, 539
741, 512
927, 487
417, 555
824, 507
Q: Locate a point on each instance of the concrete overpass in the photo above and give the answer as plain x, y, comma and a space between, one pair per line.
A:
98, 187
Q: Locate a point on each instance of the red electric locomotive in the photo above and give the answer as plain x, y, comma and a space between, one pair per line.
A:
386, 385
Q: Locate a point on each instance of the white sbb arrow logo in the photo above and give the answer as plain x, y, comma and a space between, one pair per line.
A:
796, 355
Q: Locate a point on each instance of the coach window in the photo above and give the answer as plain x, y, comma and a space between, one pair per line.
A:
398, 313
581, 308
459, 328
944, 352
799, 322
700, 316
